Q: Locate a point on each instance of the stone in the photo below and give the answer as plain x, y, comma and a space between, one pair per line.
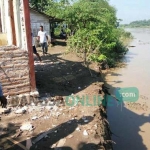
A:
27, 126
69, 136
7, 111
85, 133
34, 118
55, 108
78, 129
61, 142
20, 111
53, 146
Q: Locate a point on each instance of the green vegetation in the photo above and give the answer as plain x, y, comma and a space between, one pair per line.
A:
139, 23
94, 27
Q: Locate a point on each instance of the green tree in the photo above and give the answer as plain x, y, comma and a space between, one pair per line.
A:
94, 23
39, 4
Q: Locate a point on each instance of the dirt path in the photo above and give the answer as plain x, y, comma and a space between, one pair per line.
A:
79, 127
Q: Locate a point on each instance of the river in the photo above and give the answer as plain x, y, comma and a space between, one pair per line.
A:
131, 126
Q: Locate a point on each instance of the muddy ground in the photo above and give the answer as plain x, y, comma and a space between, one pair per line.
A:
80, 127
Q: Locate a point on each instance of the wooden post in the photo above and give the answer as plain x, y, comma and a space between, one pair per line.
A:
11, 14
29, 44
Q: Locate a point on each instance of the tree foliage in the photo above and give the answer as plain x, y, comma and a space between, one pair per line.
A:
38, 4
96, 34
94, 25
138, 23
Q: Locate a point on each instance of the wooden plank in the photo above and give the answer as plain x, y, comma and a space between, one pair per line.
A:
29, 43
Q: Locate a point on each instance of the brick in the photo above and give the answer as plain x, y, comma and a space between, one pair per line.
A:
14, 70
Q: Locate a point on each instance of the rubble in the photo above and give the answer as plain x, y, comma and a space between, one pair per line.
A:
53, 146
34, 118
61, 142
20, 111
27, 126
43, 112
69, 136
85, 133
78, 129
7, 111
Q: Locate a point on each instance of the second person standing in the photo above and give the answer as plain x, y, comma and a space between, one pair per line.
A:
43, 38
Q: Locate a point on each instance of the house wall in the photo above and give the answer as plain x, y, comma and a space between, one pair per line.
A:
20, 31
5, 18
14, 60
37, 20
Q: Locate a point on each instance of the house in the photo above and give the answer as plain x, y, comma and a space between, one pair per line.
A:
38, 18
17, 75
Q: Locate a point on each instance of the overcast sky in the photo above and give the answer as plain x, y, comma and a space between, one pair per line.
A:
131, 10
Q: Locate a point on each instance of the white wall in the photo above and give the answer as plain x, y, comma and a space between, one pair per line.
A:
37, 20
2, 16
19, 22
7, 23
16, 6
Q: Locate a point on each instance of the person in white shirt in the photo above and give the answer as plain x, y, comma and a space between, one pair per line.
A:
43, 38
34, 49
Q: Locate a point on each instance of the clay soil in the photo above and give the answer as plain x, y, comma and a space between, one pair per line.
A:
69, 128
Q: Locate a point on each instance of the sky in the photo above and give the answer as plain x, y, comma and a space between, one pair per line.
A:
131, 10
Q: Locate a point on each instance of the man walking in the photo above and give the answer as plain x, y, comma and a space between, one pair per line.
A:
34, 49
43, 38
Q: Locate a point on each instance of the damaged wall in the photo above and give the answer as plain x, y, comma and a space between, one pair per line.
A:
14, 70
14, 74
16, 62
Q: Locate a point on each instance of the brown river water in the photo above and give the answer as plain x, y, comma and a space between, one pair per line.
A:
131, 125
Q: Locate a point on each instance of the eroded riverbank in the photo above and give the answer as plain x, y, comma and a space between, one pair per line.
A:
59, 127
131, 124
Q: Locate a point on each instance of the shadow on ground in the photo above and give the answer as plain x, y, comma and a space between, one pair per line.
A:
53, 136
61, 77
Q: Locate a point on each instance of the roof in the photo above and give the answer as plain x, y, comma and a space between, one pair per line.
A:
52, 19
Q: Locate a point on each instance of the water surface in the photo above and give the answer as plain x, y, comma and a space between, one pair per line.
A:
130, 126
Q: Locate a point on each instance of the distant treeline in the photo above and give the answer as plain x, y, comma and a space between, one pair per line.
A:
139, 23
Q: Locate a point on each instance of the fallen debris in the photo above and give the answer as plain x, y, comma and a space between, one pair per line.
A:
34, 118
20, 111
7, 111
18, 134
69, 136
78, 129
26, 127
53, 146
85, 133
61, 142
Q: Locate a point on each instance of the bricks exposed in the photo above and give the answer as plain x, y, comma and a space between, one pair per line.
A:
14, 71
